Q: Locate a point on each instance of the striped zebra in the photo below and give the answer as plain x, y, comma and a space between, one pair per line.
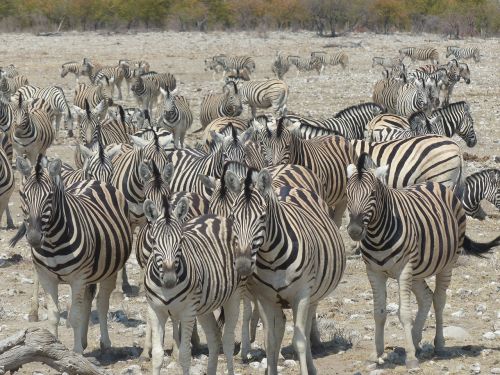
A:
8, 113
263, 94
481, 185
457, 119
8, 86
229, 63
227, 104
408, 234
387, 127
293, 266
305, 64
54, 96
73, 67
138, 66
6, 185
337, 58
94, 95
32, 133
112, 75
96, 242
416, 96
463, 52
215, 67
387, 62
280, 65
422, 54
146, 88
9, 71
176, 116
385, 91
224, 126
327, 157
192, 283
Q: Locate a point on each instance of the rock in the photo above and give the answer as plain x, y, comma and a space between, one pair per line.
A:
25, 280
172, 365
132, 370
481, 308
290, 363
355, 316
496, 325
489, 336
455, 332
392, 308
378, 372
464, 292
371, 366
255, 365
458, 314
495, 370
263, 363
475, 368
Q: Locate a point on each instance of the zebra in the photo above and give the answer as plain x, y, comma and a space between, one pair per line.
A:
385, 91
481, 185
32, 133
280, 65
192, 283
177, 117
457, 119
8, 115
269, 93
215, 67
146, 91
6, 185
73, 67
54, 96
114, 75
224, 126
94, 95
220, 105
132, 69
229, 63
97, 235
408, 234
388, 127
412, 97
305, 64
8, 86
337, 58
415, 53
327, 157
293, 266
463, 53
387, 62
9, 71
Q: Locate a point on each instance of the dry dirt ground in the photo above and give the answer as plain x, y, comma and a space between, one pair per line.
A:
345, 318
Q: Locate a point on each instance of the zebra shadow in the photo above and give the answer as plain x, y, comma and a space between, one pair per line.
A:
112, 355
117, 316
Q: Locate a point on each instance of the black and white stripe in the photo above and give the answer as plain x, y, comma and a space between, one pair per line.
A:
73, 67
8, 86
227, 104
6, 185
421, 54
464, 52
280, 65
9, 71
176, 116
481, 185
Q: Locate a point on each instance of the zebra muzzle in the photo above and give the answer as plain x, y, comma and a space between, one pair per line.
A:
356, 231
243, 266
169, 279
34, 237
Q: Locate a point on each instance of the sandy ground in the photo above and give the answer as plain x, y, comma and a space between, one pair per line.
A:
345, 318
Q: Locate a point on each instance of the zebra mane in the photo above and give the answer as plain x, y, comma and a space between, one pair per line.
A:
234, 133
122, 114
20, 100
234, 85
361, 164
39, 168
87, 108
157, 180
280, 127
102, 155
166, 209
223, 187
248, 184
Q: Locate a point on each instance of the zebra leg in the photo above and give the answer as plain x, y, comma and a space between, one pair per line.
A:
77, 315
274, 325
338, 212
255, 319
33, 314
10, 222
195, 339
177, 338
310, 323
379, 289
146, 352
51, 286
212, 333
231, 312
106, 287
300, 334
185, 350
245, 327
157, 320
443, 280
424, 300
315, 336
87, 306
405, 286
119, 87
58, 124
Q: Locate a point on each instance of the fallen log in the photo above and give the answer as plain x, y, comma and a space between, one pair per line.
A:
39, 345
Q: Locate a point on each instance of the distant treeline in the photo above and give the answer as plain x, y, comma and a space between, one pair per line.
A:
456, 18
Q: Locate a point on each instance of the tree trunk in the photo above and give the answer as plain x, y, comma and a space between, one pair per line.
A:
39, 345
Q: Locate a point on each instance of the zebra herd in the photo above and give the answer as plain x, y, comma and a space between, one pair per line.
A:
254, 211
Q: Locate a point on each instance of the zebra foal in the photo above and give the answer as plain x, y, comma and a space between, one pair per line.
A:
407, 234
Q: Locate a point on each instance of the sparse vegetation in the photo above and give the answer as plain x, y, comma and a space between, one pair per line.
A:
455, 18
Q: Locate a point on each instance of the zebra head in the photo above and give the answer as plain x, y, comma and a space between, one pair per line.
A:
221, 198
492, 194
36, 197
277, 142
165, 235
90, 122
249, 216
464, 72
154, 149
232, 100
156, 183
233, 147
466, 127
97, 164
363, 195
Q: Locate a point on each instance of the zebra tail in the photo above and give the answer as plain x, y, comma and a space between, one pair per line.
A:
20, 234
221, 320
477, 249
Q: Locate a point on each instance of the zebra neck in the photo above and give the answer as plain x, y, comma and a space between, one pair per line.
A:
217, 166
274, 220
383, 214
58, 207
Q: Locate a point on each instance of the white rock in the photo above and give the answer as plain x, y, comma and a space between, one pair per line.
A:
489, 336
255, 365
172, 365
497, 333
290, 363
347, 301
392, 308
263, 363
495, 370
25, 280
475, 368
132, 370
355, 316
481, 307
371, 366
454, 332
458, 314
378, 372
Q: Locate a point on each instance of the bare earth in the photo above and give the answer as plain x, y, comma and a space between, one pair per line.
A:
346, 320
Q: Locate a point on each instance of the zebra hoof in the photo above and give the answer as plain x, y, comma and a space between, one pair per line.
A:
412, 364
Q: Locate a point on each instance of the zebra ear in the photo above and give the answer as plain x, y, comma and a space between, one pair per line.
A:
54, 168
113, 151
246, 135
144, 172
217, 138
181, 209
150, 210
23, 165
99, 108
381, 173
351, 168
87, 153
264, 182
168, 172
232, 182
208, 181
294, 127
466, 107
138, 141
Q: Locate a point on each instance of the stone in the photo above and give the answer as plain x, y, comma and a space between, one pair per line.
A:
481, 308
455, 332
378, 372
458, 314
132, 370
392, 308
290, 363
25, 280
495, 370
255, 365
475, 368
489, 336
